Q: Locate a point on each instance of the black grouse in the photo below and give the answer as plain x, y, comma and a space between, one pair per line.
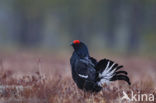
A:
91, 75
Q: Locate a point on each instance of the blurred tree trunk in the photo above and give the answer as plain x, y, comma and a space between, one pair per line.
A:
30, 23
30, 33
81, 20
75, 20
113, 12
136, 24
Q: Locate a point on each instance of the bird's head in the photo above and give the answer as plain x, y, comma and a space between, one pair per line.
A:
80, 48
75, 42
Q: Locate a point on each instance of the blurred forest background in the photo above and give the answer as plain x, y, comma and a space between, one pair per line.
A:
35, 37
121, 26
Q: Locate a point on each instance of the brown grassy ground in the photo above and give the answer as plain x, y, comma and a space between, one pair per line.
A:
33, 78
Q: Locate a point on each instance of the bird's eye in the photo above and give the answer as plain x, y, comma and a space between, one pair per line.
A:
76, 42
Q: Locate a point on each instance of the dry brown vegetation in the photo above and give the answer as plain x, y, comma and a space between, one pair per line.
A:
29, 78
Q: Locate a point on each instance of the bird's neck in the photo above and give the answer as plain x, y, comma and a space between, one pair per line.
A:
82, 53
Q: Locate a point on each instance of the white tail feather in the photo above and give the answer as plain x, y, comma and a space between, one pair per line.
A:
107, 74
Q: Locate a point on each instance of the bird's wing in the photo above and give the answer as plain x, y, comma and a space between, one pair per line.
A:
93, 60
109, 71
85, 70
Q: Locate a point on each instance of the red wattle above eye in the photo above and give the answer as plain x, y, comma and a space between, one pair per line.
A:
76, 41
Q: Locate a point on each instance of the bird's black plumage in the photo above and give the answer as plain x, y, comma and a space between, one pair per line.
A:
89, 74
